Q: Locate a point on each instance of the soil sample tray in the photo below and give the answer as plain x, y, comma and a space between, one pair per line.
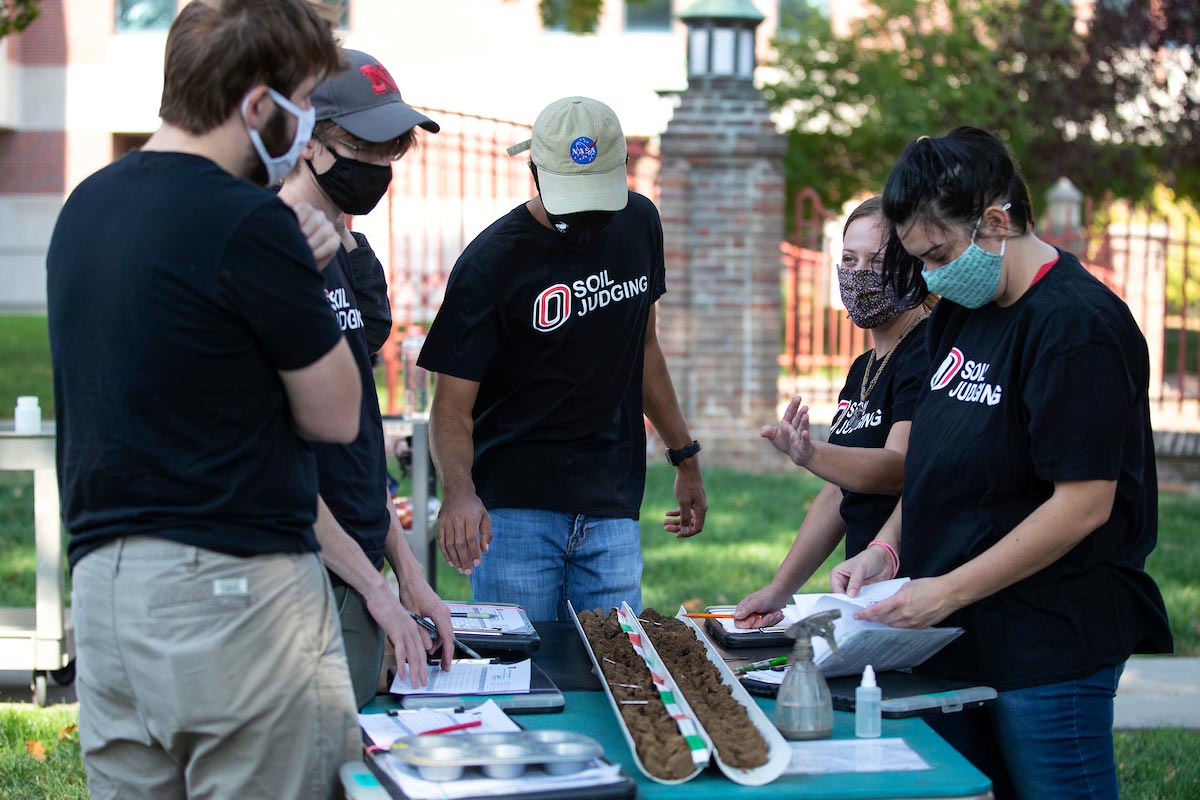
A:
747, 747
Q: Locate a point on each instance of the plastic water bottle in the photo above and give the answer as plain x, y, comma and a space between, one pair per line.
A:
867, 699
416, 379
28, 416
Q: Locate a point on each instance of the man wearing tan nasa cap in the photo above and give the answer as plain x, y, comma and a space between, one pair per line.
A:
547, 357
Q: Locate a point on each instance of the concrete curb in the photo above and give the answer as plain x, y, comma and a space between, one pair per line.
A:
1159, 692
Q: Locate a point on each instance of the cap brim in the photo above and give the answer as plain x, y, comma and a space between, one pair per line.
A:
570, 194
384, 122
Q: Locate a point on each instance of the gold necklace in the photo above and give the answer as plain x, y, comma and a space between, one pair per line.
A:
865, 390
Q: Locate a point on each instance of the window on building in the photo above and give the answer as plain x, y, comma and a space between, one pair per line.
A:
793, 12
554, 15
341, 12
647, 15
144, 15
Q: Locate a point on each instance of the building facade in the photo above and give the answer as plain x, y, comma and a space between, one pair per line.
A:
82, 84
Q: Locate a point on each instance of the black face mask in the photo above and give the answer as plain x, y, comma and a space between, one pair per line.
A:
355, 187
580, 228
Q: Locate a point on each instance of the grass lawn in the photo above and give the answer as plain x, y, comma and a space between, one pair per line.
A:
749, 528
25, 363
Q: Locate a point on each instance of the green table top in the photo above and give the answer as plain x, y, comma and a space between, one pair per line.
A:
951, 774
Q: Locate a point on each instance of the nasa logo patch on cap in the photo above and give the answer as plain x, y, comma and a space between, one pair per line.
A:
583, 150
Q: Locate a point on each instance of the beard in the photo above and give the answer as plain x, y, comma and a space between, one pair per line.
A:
276, 139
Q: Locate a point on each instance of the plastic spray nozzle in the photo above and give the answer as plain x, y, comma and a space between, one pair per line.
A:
819, 624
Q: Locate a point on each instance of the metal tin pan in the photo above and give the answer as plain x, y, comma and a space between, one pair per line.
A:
497, 755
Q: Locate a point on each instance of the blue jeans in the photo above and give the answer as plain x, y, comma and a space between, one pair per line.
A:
1045, 741
540, 559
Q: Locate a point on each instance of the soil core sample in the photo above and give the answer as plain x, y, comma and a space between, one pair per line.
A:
734, 734
659, 744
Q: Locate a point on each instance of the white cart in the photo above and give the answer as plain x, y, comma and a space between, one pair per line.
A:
39, 639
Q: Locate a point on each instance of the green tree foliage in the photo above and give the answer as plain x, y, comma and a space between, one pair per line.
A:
15, 15
1019, 68
574, 16
1145, 83
578, 16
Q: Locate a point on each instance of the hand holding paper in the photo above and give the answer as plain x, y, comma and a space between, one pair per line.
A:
917, 605
854, 576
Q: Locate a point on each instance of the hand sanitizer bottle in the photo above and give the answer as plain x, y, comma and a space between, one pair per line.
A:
867, 698
28, 417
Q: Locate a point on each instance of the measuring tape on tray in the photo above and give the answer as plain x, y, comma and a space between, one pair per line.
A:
666, 689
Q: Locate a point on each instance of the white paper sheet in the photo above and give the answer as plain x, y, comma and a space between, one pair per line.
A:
384, 729
854, 755
470, 678
803, 605
872, 593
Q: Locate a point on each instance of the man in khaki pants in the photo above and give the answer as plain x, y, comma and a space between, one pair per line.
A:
193, 353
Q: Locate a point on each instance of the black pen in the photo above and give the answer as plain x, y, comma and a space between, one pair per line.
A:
429, 626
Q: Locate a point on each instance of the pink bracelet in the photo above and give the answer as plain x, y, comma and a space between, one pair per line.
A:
891, 553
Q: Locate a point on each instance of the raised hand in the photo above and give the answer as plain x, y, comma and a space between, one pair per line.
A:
791, 435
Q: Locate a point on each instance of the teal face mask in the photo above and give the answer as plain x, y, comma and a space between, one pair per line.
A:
972, 279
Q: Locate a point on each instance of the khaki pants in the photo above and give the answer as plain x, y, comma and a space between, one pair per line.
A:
202, 675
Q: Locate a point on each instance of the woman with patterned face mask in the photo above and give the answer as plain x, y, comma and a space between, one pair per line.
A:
1030, 493
863, 461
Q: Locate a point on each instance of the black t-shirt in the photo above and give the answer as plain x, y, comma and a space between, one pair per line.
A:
176, 291
858, 424
369, 284
1051, 388
555, 335
352, 478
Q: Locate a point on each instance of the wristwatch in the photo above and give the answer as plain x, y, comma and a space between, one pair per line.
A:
677, 457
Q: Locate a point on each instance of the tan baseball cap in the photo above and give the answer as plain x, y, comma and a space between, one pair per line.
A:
579, 151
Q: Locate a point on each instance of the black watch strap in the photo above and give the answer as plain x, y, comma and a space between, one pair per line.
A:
676, 457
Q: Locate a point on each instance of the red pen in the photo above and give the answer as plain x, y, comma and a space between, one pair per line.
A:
475, 723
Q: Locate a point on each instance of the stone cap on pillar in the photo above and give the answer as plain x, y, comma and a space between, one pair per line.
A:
722, 9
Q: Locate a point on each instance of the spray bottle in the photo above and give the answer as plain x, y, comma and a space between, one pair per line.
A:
804, 709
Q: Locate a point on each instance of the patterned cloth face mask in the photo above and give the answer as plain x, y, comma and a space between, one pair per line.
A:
972, 279
869, 301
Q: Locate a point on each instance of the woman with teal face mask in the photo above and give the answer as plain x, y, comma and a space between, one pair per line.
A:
1030, 493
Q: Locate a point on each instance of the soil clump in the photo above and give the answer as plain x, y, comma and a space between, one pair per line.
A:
733, 733
660, 746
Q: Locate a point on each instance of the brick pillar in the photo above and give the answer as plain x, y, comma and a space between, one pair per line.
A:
721, 194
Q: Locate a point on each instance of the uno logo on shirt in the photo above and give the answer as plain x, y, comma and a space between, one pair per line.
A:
949, 368
584, 150
971, 388
551, 308
853, 416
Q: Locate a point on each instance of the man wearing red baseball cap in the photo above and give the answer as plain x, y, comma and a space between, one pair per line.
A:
363, 125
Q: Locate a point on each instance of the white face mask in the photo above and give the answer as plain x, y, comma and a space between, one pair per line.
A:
279, 166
